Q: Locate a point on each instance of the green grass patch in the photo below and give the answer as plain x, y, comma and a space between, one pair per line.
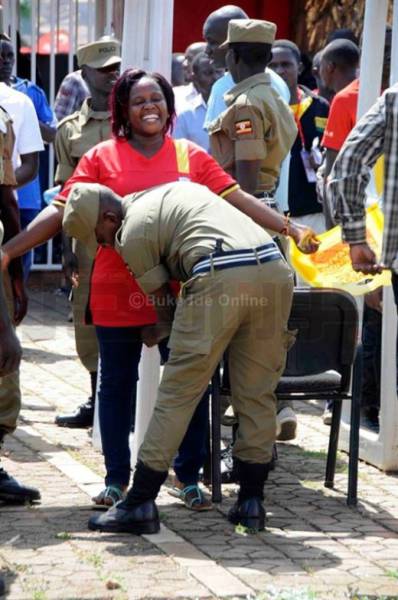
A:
63, 535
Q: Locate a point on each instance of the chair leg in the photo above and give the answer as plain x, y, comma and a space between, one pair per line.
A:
333, 441
207, 464
216, 494
354, 430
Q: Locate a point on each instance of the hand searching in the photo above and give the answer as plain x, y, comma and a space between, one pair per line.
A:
304, 237
71, 268
153, 334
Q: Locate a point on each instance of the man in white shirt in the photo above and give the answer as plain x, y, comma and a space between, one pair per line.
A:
28, 140
189, 123
185, 94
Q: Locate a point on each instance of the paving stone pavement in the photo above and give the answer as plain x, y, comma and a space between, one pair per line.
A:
314, 546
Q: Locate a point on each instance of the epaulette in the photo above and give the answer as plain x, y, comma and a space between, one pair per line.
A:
68, 118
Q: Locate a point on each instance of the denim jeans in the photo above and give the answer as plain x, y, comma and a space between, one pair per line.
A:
371, 357
120, 351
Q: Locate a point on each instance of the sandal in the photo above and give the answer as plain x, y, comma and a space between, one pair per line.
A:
192, 496
109, 497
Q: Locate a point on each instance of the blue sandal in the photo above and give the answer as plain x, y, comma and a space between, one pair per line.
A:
192, 496
109, 497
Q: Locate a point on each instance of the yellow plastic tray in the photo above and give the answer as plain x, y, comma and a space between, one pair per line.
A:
331, 265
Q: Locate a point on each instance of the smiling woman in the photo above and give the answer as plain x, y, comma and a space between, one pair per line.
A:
143, 107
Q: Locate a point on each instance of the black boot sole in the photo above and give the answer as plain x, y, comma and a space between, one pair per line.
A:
70, 425
19, 499
148, 527
250, 522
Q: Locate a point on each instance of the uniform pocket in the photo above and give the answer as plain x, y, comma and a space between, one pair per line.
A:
189, 344
188, 334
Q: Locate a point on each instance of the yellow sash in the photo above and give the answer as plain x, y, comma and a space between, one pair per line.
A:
182, 154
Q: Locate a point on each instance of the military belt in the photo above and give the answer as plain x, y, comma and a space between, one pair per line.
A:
237, 258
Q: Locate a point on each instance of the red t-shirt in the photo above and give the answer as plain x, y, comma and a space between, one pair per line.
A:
342, 116
116, 300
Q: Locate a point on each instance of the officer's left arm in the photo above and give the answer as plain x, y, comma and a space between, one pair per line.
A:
247, 129
247, 173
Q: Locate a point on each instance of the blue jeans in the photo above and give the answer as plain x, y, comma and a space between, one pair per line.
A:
371, 357
27, 215
120, 351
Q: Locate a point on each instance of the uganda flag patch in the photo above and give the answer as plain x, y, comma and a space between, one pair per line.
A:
242, 127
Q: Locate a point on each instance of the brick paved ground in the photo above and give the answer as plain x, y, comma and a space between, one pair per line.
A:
314, 545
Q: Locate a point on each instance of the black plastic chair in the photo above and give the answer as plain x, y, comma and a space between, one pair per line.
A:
320, 363
319, 366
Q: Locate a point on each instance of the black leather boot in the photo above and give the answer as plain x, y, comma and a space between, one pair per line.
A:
84, 415
249, 510
138, 513
11, 491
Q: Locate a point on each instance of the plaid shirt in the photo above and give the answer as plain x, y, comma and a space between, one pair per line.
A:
71, 94
375, 134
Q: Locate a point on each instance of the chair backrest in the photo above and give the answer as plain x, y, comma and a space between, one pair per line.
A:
327, 324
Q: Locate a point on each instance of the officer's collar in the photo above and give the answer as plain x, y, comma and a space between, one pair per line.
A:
245, 85
87, 113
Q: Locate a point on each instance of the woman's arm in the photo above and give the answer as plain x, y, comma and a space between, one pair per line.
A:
47, 224
270, 219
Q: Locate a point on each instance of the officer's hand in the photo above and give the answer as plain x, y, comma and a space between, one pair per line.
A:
151, 335
363, 259
10, 352
71, 268
304, 237
20, 299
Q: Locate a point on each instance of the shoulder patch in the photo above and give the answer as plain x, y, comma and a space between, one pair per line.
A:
242, 127
71, 117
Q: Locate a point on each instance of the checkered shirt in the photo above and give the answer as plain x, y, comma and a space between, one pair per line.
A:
375, 134
71, 94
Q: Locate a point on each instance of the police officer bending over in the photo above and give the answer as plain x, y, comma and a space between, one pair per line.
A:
236, 292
